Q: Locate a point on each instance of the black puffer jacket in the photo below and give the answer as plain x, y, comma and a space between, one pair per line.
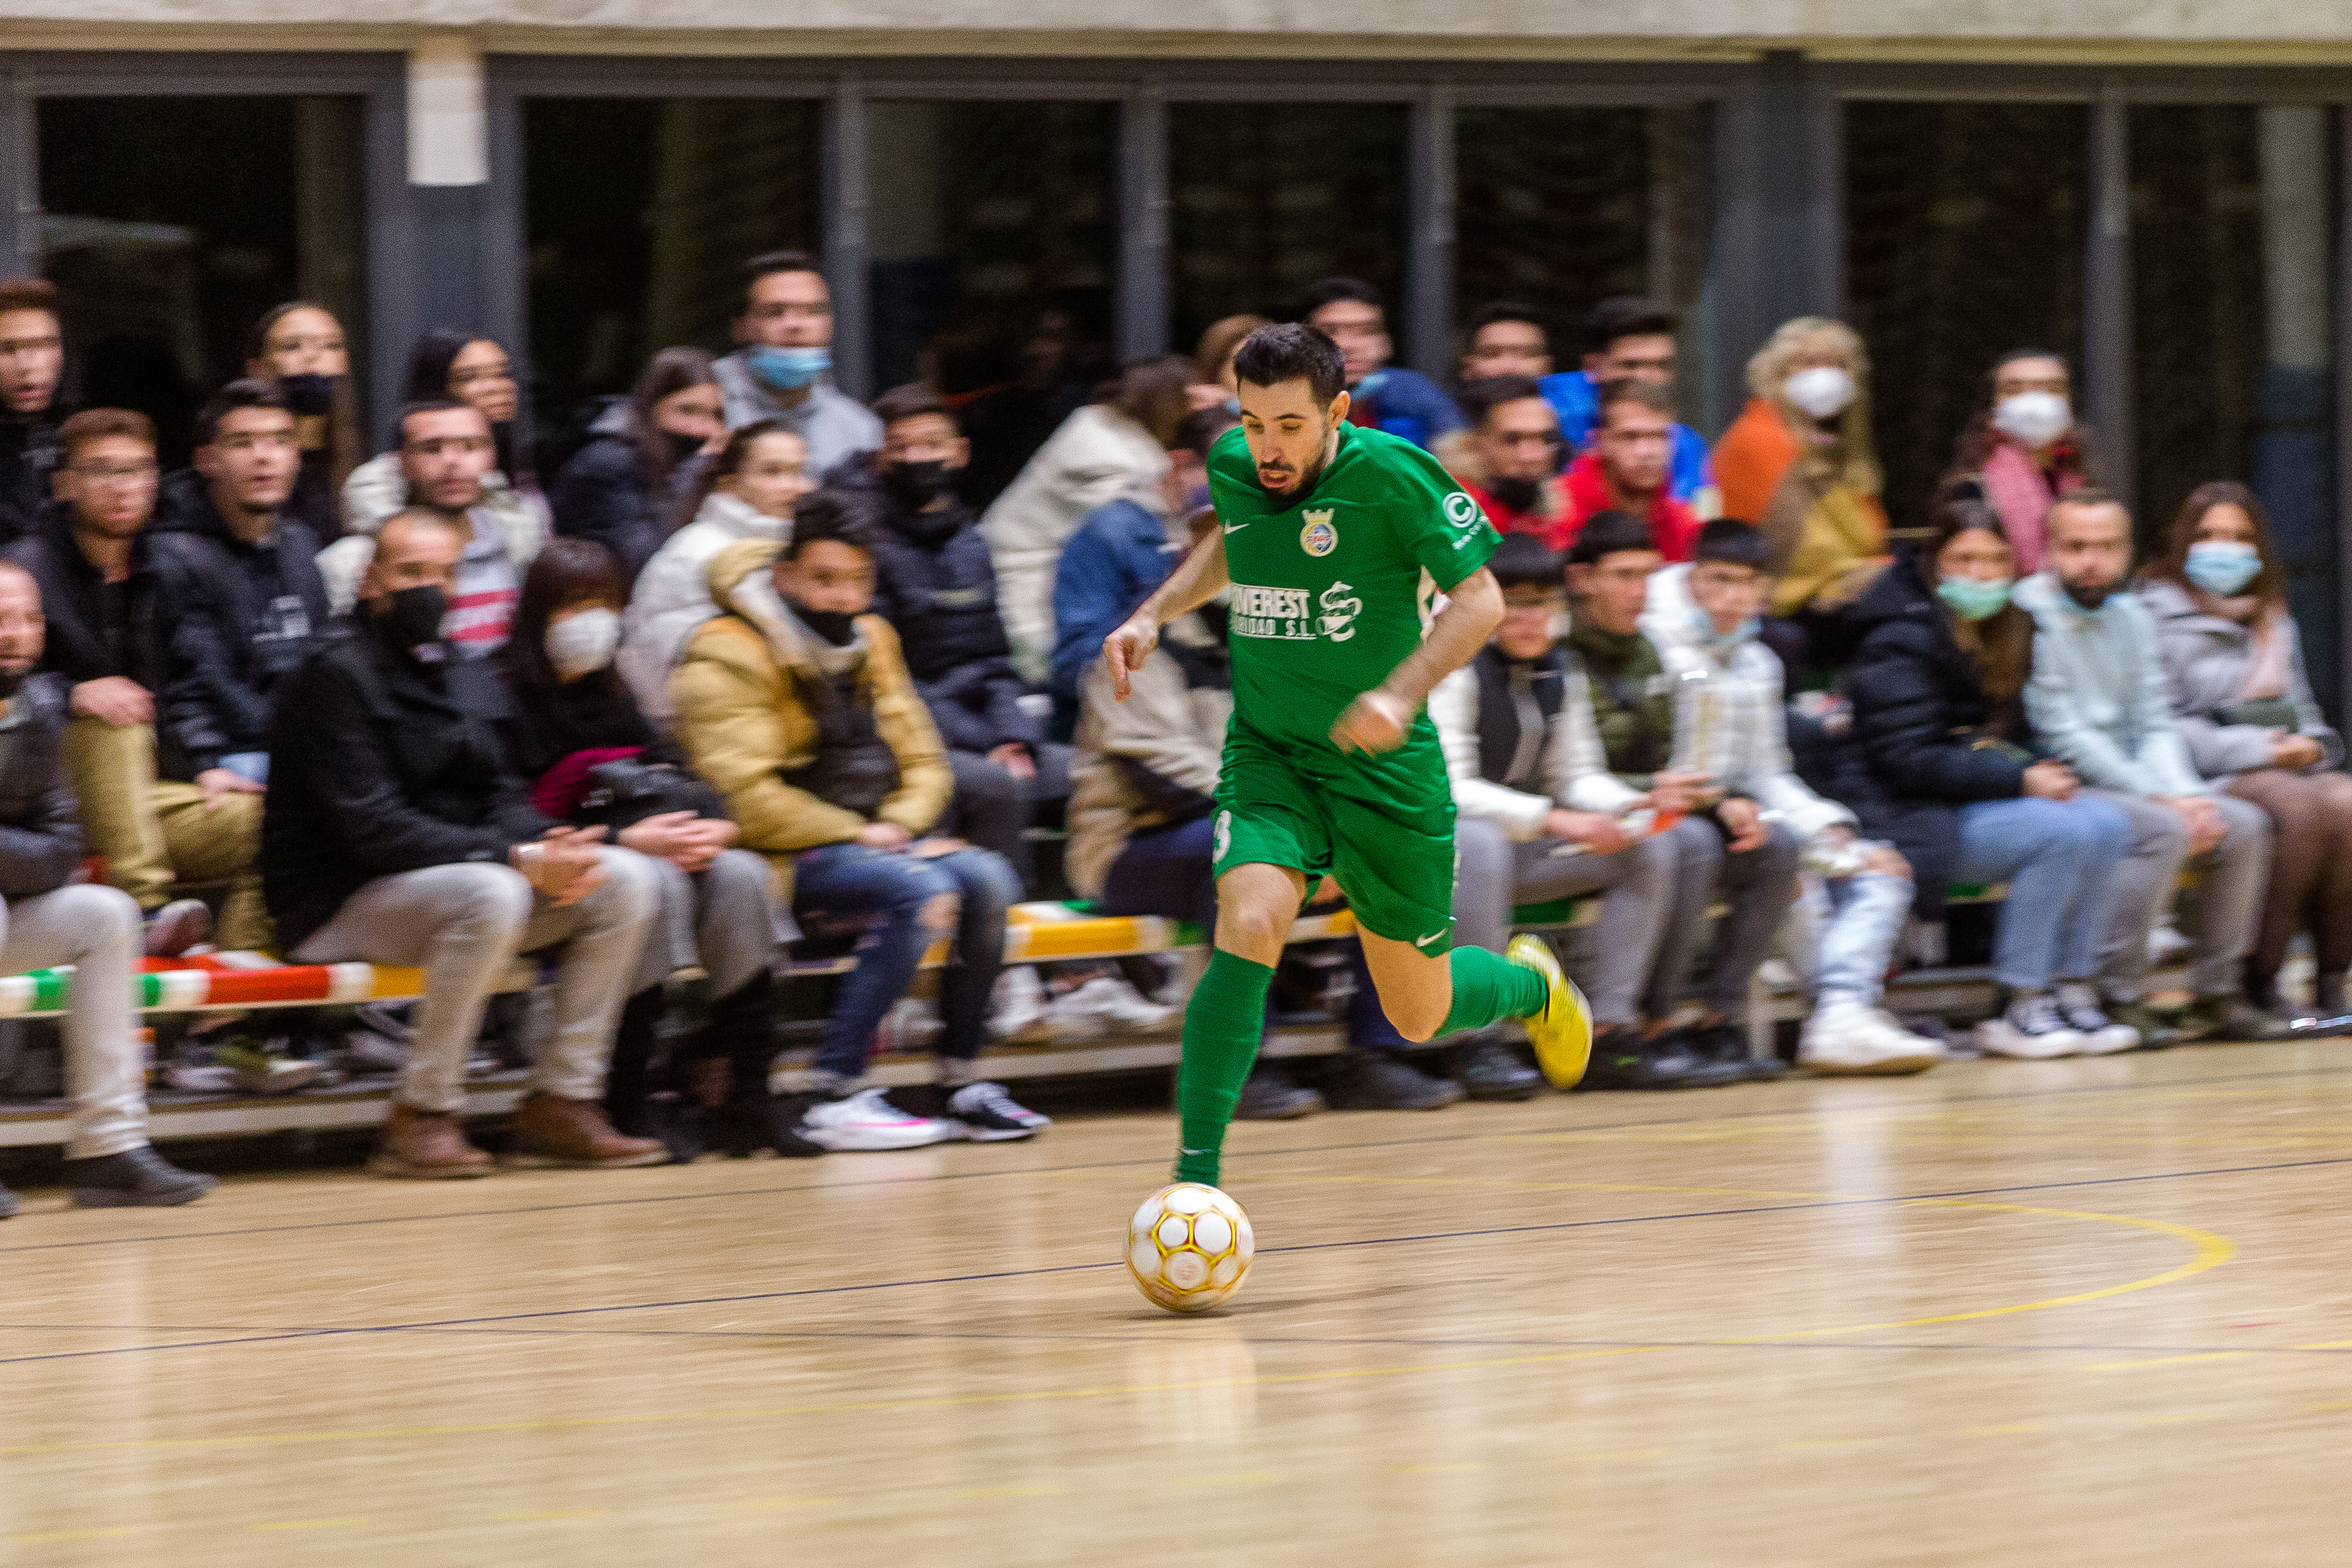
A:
41, 843
28, 456
602, 492
1918, 750
935, 583
237, 618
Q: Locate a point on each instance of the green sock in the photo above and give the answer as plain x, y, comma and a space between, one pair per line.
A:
1223, 1025
1489, 988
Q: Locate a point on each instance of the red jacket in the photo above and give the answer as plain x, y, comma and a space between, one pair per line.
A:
1550, 512
1672, 524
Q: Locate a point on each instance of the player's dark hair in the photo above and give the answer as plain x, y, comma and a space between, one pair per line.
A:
912, 401
1483, 396
1629, 316
1523, 560
246, 391
1199, 430
1735, 543
1507, 310
825, 516
1332, 290
1292, 351
1606, 533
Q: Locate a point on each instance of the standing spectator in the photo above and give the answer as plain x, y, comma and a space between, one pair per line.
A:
397, 833
100, 595
782, 369
300, 347
2026, 450
448, 366
1632, 339
1798, 463
746, 491
1215, 385
571, 728
1499, 718
1115, 446
1937, 764
32, 370
1124, 549
1386, 397
1508, 458
795, 703
2097, 702
1507, 339
2234, 667
615, 488
49, 923
1627, 471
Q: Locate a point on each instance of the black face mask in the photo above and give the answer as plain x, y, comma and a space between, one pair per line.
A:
832, 625
411, 616
1517, 495
2090, 597
307, 395
916, 485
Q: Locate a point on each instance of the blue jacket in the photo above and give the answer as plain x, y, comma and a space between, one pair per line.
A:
1405, 402
1578, 402
1119, 554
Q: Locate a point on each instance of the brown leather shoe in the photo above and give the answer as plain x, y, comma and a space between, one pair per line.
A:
553, 1131
425, 1145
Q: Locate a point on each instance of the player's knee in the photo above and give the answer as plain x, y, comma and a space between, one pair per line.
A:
1414, 1018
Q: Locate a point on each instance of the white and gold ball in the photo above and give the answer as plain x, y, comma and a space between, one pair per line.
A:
1189, 1247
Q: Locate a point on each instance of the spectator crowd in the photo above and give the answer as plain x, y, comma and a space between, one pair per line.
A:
736, 665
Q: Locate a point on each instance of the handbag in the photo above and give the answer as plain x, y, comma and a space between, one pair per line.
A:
625, 791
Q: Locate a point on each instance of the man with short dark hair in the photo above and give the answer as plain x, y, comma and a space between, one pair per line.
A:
1628, 468
1505, 339
1508, 458
1630, 339
32, 368
782, 366
1383, 396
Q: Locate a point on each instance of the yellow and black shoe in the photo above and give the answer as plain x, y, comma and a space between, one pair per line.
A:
1562, 1033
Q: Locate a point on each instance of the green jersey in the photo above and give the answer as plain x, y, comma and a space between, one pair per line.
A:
1332, 588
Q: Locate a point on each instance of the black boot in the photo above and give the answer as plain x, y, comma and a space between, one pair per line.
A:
748, 1118
628, 1082
1722, 1050
1622, 1059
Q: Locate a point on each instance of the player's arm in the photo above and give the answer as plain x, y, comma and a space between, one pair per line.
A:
1377, 720
1198, 578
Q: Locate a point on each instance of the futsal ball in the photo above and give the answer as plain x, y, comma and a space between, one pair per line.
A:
1189, 1247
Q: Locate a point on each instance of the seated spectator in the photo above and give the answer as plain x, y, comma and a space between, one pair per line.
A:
615, 488
1056, 366
2025, 449
32, 368
1387, 397
50, 922
299, 348
448, 366
780, 375
572, 721
1500, 718
1115, 446
935, 585
1215, 385
1938, 763
1705, 616
397, 831
795, 702
1798, 463
1626, 471
446, 452
746, 491
2098, 703
1505, 339
101, 595
1124, 549
1618, 733
1632, 340
1508, 457
2234, 667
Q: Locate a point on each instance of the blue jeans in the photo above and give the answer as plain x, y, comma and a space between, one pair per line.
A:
1866, 913
2059, 859
845, 880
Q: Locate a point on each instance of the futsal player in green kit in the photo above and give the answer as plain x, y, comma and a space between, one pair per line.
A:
1336, 541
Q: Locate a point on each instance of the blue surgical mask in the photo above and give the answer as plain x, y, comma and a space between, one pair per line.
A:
789, 370
1972, 599
1704, 625
2223, 567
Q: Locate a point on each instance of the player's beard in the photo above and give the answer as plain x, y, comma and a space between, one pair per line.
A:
1306, 479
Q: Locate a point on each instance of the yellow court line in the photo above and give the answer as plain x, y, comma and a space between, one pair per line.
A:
2165, 1361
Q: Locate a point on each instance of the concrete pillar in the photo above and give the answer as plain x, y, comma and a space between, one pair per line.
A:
843, 167
1142, 291
1779, 235
2107, 294
1426, 332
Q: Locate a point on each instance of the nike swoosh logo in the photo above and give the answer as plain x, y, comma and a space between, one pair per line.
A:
1235, 527
1425, 941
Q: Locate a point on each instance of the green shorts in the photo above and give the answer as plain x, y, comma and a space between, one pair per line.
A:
1384, 826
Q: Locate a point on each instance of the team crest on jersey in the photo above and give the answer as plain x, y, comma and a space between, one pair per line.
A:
1318, 537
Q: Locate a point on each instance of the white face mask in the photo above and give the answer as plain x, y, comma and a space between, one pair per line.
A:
582, 643
1822, 392
2035, 418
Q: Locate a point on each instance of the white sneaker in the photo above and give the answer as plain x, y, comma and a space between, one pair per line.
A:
1017, 1006
2078, 1004
866, 1122
1108, 1003
1849, 1037
2031, 1029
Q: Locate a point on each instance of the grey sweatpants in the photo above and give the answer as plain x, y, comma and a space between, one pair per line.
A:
1496, 874
1759, 884
723, 918
96, 929
464, 923
2227, 897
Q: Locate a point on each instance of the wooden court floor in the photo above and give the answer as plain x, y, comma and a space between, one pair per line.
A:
2047, 1313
